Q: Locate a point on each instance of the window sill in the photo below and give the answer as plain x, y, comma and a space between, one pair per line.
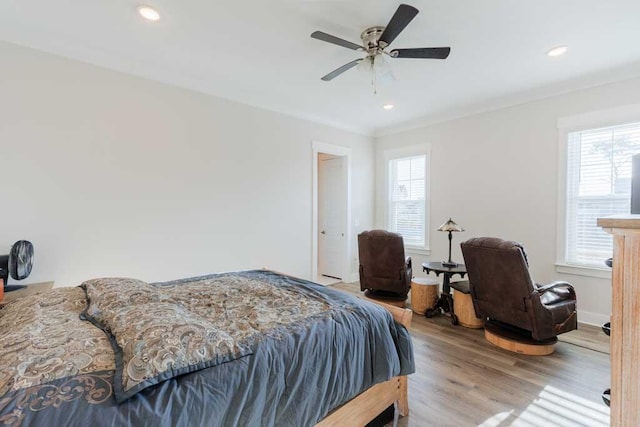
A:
601, 273
417, 251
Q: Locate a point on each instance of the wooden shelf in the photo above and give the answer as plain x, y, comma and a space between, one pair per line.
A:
28, 290
625, 319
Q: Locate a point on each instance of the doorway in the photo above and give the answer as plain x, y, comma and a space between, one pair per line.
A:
332, 213
331, 209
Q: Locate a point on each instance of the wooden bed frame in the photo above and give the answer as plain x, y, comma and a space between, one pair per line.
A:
369, 404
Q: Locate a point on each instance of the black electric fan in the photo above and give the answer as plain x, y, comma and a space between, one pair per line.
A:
17, 264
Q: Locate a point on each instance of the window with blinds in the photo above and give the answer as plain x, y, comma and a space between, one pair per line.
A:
598, 184
407, 199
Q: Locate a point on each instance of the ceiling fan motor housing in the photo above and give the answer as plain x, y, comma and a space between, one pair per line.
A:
370, 39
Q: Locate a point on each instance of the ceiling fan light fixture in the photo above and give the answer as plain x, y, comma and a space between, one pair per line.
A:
378, 69
557, 51
148, 13
380, 64
382, 69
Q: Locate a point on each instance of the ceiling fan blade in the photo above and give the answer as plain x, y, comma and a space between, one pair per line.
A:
319, 35
422, 52
399, 21
335, 73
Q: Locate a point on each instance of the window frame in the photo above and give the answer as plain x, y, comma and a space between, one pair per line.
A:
566, 125
400, 153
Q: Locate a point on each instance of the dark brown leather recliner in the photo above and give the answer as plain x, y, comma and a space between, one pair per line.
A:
502, 290
384, 270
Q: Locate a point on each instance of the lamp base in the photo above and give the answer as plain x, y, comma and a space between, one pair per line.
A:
449, 264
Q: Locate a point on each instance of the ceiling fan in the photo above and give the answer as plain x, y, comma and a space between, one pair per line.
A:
375, 42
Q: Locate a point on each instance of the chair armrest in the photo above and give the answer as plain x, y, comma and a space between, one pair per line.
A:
556, 285
408, 271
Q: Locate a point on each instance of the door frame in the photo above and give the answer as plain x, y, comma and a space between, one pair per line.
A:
340, 151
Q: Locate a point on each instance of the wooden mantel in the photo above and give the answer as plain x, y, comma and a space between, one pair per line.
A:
625, 319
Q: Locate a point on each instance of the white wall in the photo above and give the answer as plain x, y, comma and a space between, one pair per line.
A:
109, 174
496, 175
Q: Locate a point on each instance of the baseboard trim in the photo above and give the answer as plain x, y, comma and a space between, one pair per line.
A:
590, 318
352, 278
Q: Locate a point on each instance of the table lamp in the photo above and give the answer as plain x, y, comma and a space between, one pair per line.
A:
450, 226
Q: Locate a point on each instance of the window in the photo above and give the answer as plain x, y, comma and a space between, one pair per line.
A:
407, 197
598, 184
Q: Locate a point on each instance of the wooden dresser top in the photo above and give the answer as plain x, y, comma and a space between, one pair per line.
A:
620, 221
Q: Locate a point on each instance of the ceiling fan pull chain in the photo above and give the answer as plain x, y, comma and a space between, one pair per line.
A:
374, 82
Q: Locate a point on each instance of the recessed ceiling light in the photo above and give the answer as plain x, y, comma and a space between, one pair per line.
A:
557, 51
148, 13
388, 106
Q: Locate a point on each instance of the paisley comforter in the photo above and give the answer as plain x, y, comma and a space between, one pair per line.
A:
246, 348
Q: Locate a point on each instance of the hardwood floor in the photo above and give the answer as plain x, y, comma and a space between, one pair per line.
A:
463, 380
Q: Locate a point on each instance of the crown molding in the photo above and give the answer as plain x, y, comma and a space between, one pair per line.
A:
589, 81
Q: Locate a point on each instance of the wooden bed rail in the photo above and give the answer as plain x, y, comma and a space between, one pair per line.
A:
400, 315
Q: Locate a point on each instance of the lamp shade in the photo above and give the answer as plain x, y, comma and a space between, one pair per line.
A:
450, 226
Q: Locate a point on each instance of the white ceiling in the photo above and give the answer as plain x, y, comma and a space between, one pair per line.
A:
260, 52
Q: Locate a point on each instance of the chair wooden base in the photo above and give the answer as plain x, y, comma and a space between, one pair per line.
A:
511, 341
391, 301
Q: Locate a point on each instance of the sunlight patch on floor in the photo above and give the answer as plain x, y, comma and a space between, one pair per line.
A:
496, 420
560, 408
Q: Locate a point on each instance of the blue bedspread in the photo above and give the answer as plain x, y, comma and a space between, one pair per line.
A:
294, 377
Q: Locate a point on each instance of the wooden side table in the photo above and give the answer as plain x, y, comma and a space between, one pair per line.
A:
445, 302
424, 294
463, 306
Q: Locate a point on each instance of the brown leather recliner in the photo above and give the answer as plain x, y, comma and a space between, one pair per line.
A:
384, 270
502, 290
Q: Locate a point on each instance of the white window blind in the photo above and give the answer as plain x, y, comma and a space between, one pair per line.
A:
598, 184
407, 194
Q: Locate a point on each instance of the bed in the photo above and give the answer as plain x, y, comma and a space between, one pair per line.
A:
243, 348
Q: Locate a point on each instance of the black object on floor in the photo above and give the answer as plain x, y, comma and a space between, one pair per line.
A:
383, 419
606, 397
11, 288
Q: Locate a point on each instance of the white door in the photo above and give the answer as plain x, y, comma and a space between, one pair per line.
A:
332, 216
